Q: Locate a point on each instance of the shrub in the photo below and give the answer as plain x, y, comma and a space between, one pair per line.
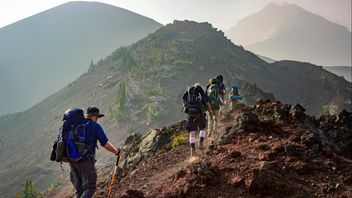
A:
30, 190
153, 113
178, 140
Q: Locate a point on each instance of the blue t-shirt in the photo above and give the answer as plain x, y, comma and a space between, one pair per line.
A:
94, 133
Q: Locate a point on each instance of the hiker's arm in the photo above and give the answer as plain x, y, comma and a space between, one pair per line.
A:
108, 146
221, 101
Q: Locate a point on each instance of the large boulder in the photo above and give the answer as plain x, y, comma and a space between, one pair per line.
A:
140, 147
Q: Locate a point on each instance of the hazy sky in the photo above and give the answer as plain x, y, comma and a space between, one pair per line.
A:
222, 15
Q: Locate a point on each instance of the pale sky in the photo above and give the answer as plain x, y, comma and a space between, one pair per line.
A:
222, 15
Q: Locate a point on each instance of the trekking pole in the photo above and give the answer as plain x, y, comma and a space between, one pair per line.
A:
113, 177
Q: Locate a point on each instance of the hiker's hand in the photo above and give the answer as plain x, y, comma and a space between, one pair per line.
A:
118, 151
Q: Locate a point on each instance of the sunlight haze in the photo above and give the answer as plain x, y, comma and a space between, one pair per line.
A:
224, 15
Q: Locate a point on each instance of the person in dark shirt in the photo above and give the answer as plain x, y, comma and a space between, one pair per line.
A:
196, 121
83, 174
221, 86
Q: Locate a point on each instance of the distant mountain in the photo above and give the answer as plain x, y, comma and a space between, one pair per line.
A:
345, 71
141, 86
43, 53
289, 32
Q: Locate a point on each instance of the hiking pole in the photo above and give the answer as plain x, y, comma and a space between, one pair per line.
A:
113, 177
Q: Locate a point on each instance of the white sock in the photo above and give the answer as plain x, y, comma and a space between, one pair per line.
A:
192, 140
202, 133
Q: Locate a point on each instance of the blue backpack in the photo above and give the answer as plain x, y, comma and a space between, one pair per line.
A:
72, 144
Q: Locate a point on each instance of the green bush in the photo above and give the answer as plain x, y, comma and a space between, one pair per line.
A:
30, 190
153, 113
178, 140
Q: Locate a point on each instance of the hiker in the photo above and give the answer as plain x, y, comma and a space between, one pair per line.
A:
220, 82
213, 93
234, 97
83, 173
221, 85
194, 103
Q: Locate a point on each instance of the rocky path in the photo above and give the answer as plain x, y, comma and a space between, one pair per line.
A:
151, 176
271, 150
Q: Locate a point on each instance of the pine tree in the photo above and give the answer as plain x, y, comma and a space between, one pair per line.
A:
121, 101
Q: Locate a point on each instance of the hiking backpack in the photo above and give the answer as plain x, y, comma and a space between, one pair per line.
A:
193, 102
213, 94
71, 144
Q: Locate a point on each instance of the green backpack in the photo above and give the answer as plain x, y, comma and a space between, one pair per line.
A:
213, 93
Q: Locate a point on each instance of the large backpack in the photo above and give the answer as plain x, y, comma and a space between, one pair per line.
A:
71, 144
193, 103
213, 94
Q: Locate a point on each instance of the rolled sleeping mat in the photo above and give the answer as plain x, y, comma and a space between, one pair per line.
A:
235, 97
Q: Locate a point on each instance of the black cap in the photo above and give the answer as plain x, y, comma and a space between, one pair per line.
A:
94, 111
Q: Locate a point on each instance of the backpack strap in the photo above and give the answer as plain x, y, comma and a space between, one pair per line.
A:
188, 94
84, 134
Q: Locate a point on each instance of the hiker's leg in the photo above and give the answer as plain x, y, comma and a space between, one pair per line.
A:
216, 121
221, 106
89, 177
233, 105
202, 135
210, 124
76, 179
192, 127
192, 142
202, 123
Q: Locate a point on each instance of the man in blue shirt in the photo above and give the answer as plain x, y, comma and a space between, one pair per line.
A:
83, 174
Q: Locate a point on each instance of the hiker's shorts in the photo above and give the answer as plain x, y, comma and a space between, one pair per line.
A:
196, 123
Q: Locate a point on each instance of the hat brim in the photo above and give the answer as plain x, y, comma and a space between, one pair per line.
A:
98, 115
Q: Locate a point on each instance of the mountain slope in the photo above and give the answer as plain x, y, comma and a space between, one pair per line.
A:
43, 53
289, 32
141, 86
273, 149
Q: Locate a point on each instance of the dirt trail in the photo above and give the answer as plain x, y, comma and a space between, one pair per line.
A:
63, 191
151, 176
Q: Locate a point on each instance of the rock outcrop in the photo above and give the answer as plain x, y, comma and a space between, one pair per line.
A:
270, 149
139, 147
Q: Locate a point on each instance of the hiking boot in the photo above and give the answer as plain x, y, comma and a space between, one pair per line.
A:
195, 153
201, 147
